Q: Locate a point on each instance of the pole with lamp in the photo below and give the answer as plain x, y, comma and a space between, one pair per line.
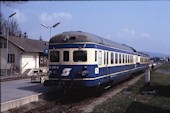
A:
7, 42
42, 78
50, 27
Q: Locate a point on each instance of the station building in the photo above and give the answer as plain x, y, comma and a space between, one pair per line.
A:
24, 55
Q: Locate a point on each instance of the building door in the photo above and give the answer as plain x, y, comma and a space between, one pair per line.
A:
42, 60
27, 62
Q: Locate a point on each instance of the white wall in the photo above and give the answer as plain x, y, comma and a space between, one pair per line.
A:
23, 60
29, 61
12, 49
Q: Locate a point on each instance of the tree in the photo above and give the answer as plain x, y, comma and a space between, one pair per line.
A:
13, 28
12, 25
11, 3
3, 25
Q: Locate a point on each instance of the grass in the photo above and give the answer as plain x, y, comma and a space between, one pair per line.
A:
153, 98
165, 67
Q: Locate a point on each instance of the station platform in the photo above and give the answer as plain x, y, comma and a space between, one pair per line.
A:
19, 92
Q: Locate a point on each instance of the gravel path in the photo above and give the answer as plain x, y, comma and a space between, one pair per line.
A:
117, 89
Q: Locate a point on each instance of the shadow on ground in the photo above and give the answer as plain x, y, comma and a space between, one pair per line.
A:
137, 107
159, 90
38, 88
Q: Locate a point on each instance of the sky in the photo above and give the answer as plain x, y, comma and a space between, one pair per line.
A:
143, 25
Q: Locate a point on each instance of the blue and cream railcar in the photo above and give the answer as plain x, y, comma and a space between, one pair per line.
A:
85, 60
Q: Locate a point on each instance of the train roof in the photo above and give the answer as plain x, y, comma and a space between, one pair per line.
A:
79, 36
142, 54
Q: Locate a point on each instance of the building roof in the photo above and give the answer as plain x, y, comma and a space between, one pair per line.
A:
28, 45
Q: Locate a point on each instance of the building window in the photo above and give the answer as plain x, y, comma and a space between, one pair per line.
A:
41, 60
11, 58
0, 44
5, 45
66, 56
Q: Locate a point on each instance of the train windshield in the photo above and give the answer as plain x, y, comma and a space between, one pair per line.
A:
54, 56
80, 56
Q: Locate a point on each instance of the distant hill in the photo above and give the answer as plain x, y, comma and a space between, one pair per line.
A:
153, 54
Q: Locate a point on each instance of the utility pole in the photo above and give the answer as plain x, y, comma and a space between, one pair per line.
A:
7, 42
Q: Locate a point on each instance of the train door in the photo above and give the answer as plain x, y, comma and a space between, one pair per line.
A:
106, 62
137, 61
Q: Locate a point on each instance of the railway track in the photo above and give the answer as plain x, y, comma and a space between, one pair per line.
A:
67, 99
47, 105
67, 102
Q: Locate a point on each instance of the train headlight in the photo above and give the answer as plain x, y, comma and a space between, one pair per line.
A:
84, 73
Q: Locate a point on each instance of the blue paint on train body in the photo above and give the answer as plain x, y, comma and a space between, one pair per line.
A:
106, 74
78, 40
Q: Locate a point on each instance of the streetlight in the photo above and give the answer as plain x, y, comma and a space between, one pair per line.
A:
50, 27
7, 40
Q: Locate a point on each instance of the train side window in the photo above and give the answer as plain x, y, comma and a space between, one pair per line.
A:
123, 58
130, 58
66, 56
126, 58
107, 57
54, 56
112, 57
80, 56
136, 59
116, 58
100, 58
133, 59
104, 57
120, 58
95, 55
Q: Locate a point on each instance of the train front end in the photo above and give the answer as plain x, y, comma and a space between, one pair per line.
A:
71, 62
